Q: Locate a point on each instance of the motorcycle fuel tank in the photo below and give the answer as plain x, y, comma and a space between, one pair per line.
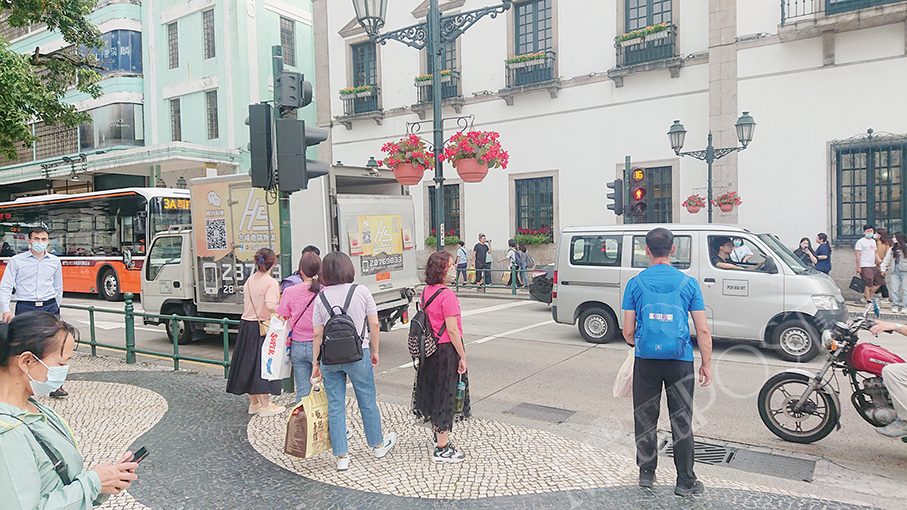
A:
872, 358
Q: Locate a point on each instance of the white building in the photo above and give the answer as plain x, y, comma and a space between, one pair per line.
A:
811, 73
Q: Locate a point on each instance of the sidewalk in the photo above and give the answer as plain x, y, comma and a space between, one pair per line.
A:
207, 452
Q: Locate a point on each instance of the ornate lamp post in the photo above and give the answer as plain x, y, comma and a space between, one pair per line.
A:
430, 35
745, 126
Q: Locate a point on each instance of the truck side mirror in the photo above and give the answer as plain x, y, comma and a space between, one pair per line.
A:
127, 258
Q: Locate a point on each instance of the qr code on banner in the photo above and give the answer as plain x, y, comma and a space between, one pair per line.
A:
216, 233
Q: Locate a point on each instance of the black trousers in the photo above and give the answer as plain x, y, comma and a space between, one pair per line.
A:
678, 379
482, 273
22, 307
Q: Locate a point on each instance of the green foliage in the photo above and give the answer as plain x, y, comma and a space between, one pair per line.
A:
32, 85
448, 240
532, 238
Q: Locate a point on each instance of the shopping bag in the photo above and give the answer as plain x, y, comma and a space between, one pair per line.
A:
275, 351
471, 274
307, 428
857, 284
623, 383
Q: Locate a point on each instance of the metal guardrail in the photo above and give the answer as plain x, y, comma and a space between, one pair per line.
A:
657, 46
130, 314
484, 285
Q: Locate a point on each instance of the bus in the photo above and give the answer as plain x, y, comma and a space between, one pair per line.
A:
99, 236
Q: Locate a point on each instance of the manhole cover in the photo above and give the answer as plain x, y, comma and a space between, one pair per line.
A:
705, 453
541, 413
747, 458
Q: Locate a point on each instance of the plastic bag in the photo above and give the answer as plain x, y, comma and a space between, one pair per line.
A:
623, 383
471, 274
275, 351
308, 433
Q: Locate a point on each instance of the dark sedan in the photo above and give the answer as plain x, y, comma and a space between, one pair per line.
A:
542, 282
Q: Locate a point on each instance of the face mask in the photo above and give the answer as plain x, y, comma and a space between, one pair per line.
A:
452, 273
875, 236
868, 236
738, 243
39, 246
56, 376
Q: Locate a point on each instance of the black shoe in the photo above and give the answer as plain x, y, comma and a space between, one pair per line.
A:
59, 393
696, 488
646, 479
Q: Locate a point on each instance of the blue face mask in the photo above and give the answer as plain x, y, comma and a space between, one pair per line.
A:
868, 236
39, 246
56, 376
738, 243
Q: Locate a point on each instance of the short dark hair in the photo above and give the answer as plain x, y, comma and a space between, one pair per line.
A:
34, 332
37, 230
511, 243
868, 227
481, 236
337, 268
461, 243
311, 249
718, 242
265, 259
436, 267
659, 241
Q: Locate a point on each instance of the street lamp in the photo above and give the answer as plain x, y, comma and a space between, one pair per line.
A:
745, 127
181, 183
431, 35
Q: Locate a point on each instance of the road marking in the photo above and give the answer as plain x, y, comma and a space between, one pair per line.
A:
494, 308
511, 332
106, 326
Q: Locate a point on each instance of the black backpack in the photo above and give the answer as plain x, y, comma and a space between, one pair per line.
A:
342, 342
423, 342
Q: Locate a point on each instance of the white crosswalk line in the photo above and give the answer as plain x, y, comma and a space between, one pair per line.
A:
511, 332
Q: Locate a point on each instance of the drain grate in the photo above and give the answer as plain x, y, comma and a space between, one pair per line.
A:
541, 413
747, 458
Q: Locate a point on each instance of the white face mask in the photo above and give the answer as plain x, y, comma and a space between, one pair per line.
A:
451, 275
39, 246
56, 376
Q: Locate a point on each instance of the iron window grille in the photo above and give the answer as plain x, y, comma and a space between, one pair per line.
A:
533, 26
208, 29
535, 203
288, 40
365, 73
173, 45
211, 100
451, 208
176, 133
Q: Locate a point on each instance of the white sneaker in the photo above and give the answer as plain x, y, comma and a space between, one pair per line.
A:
447, 454
349, 434
897, 428
895, 309
863, 300
389, 441
343, 463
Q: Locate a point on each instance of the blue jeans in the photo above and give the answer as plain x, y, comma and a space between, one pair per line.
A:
301, 356
896, 287
461, 270
363, 379
522, 279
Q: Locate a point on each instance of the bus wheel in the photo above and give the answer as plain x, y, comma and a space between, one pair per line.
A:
110, 286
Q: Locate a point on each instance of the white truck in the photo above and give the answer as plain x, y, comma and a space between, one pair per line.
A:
198, 270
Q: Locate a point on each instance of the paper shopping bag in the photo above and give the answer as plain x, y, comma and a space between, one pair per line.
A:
307, 428
275, 351
623, 383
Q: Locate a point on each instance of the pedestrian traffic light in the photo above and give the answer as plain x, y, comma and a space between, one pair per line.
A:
292, 91
617, 196
260, 145
293, 169
638, 204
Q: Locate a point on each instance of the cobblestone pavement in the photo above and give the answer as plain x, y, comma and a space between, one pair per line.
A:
207, 452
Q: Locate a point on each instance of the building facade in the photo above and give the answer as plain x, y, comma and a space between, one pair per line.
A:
178, 78
586, 93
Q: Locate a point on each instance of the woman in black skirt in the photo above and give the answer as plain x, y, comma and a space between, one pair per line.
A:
435, 390
260, 296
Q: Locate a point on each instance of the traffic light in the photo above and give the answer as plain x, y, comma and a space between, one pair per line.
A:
638, 204
617, 196
293, 169
260, 145
292, 91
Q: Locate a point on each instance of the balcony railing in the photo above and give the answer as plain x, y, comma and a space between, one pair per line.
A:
450, 87
797, 9
361, 102
648, 48
531, 71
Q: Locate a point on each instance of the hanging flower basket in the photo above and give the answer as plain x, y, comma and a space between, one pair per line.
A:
693, 209
727, 201
407, 174
409, 157
694, 203
471, 169
726, 207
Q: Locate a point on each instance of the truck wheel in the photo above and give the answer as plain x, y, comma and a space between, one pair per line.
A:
110, 286
597, 325
797, 340
184, 332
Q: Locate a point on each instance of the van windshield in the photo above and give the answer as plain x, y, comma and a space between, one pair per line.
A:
784, 252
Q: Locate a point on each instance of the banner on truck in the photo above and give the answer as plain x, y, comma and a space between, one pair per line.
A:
381, 237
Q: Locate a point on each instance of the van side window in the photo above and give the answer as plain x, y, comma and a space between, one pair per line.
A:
679, 259
735, 253
595, 250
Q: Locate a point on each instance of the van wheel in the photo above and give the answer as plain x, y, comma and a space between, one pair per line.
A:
797, 340
183, 331
110, 286
597, 325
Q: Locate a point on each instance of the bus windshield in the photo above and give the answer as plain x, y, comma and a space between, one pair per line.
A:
168, 212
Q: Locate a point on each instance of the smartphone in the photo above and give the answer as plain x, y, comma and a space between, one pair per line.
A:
140, 455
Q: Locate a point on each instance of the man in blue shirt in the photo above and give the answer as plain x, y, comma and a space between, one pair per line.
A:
656, 303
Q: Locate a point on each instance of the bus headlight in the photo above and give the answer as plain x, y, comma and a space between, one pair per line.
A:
825, 302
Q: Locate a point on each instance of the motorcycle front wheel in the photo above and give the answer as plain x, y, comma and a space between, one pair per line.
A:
777, 408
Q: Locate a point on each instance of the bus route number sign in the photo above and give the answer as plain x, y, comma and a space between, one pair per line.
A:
176, 203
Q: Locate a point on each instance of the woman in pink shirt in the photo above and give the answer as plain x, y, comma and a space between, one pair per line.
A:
436, 383
296, 308
260, 295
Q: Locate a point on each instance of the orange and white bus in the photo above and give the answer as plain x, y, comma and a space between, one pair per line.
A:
100, 236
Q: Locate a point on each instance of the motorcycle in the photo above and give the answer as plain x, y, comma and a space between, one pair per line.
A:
802, 407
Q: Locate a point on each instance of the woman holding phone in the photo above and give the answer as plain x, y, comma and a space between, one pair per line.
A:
35, 350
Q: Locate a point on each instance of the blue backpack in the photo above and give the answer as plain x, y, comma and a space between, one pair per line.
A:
663, 330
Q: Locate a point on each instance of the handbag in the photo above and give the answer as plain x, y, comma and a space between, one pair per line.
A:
623, 383
308, 433
857, 284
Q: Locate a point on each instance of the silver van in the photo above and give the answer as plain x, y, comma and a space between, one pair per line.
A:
772, 299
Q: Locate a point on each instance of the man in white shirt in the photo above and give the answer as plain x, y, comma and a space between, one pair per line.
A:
867, 261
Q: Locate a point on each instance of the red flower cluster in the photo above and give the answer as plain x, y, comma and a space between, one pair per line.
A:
481, 145
410, 149
452, 232
529, 231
